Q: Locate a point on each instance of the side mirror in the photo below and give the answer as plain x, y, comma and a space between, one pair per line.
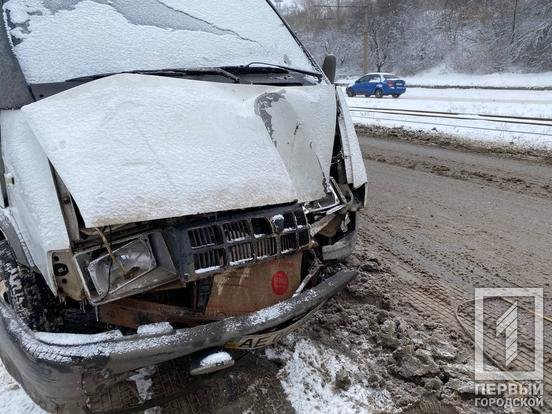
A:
329, 67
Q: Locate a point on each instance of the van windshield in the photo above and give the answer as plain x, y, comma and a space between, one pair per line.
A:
57, 40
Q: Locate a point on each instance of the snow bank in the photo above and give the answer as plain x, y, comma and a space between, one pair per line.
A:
439, 76
468, 101
310, 378
503, 103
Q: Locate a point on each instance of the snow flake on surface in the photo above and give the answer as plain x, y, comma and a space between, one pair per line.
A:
97, 36
312, 378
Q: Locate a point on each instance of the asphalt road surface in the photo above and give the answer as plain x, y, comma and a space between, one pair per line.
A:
465, 218
446, 221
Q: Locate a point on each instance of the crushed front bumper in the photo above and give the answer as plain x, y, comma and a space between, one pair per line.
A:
61, 377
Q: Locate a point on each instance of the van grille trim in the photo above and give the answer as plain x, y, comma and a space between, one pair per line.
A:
244, 239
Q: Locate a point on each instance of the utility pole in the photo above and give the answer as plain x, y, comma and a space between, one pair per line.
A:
365, 40
365, 32
514, 18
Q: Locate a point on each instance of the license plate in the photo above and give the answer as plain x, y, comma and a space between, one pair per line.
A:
262, 340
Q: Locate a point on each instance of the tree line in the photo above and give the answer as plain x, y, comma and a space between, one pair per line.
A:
472, 36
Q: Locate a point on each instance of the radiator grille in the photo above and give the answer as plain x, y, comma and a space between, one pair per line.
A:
246, 239
267, 247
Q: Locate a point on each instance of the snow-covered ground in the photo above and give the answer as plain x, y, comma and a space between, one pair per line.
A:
311, 379
472, 101
441, 77
12, 397
506, 103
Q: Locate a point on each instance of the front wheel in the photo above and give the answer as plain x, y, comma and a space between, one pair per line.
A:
379, 93
28, 295
350, 93
396, 95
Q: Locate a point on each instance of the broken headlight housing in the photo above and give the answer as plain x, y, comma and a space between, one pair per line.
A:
112, 271
332, 202
128, 267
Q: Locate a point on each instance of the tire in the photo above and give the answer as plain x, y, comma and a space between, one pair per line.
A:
350, 93
378, 93
28, 295
396, 95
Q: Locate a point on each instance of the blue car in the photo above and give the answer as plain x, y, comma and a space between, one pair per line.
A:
379, 85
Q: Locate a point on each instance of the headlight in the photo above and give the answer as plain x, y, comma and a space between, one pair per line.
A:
131, 261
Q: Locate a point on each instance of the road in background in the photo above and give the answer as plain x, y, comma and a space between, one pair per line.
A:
476, 105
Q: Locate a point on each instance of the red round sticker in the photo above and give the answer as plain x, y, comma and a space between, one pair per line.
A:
280, 283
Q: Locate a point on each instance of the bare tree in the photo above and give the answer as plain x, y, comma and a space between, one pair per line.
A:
413, 35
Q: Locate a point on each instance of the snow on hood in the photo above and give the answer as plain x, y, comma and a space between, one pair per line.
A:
133, 148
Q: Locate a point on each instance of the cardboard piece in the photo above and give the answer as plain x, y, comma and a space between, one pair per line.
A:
252, 288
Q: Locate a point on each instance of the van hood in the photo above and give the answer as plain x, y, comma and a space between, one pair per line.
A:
134, 148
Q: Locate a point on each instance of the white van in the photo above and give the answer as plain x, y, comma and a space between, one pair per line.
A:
176, 176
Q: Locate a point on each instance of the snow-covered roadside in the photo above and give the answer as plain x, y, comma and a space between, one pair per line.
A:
12, 397
534, 104
318, 379
439, 76
472, 101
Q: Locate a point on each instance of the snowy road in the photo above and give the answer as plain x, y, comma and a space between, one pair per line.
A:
505, 104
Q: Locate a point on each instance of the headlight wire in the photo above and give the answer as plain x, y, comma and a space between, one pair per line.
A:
107, 244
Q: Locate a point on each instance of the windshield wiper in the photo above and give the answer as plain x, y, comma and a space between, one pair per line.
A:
165, 72
288, 68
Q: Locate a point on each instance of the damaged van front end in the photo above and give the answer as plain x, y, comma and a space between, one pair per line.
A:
149, 214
